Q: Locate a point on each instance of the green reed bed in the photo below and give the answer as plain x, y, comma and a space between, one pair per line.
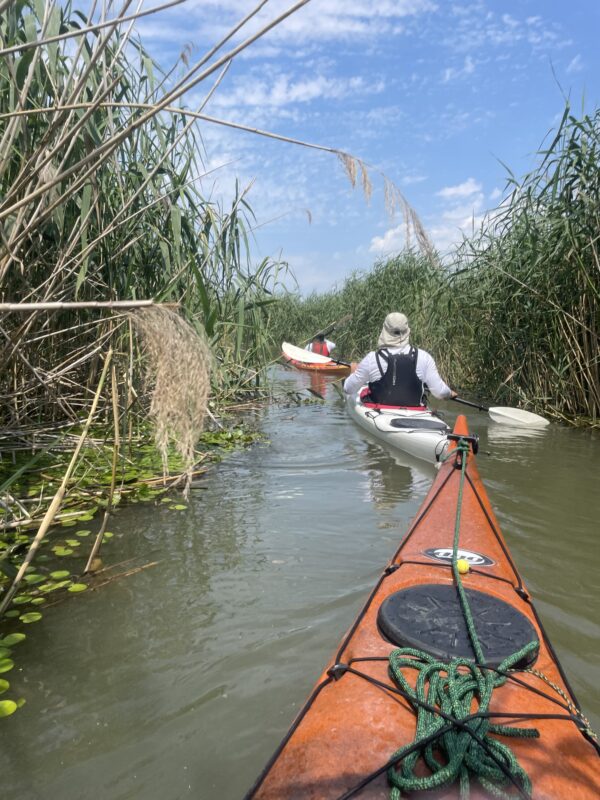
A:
101, 199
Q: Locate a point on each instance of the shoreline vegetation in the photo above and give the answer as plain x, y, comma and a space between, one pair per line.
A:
102, 202
513, 314
131, 310
128, 294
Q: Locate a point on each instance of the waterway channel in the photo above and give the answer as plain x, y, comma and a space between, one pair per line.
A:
180, 680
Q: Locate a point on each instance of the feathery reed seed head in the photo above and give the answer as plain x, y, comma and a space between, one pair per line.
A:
178, 369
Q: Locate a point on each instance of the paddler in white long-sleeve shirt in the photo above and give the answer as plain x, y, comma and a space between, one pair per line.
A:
397, 371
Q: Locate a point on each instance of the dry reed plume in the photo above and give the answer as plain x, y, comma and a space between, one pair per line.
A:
177, 366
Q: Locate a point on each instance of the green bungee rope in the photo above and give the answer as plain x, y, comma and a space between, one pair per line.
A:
451, 686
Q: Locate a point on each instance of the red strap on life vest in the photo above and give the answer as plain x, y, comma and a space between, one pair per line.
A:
364, 399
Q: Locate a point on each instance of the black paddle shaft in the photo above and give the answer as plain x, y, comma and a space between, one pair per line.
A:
343, 363
469, 403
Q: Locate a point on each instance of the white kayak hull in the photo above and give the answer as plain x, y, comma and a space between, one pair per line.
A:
420, 434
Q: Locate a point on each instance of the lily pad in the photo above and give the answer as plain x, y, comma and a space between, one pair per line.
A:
12, 639
180, 507
82, 533
35, 578
14, 612
30, 616
73, 543
21, 598
7, 707
108, 535
21, 702
59, 574
6, 664
63, 551
68, 523
47, 587
77, 587
4, 685
37, 601
5, 652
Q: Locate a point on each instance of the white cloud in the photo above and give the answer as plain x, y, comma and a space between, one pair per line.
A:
283, 90
410, 180
465, 189
327, 20
392, 240
575, 65
453, 73
495, 194
462, 213
477, 28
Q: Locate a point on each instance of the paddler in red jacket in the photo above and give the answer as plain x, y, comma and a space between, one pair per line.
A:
320, 345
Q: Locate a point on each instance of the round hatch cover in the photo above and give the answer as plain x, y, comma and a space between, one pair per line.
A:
429, 617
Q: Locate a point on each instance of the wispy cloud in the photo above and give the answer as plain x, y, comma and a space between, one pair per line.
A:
478, 27
454, 73
328, 20
410, 180
575, 65
284, 90
465, 189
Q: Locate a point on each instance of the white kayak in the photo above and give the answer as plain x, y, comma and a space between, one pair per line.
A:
420, 433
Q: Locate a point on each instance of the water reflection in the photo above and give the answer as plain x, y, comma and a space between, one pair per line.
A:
318, 383
511, 444
514, 435
390, 478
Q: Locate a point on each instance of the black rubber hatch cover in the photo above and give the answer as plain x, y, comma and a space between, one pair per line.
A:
429, 617
420, 424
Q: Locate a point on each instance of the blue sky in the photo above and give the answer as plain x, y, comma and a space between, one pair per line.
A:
436, 95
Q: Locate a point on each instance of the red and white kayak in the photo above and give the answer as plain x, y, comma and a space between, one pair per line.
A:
419, 432
312, 362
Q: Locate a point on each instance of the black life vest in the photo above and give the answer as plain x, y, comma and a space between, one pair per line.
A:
321, 348
399, 384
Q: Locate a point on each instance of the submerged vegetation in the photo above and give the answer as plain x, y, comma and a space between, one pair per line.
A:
515, 314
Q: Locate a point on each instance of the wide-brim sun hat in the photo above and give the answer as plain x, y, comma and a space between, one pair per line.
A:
395, 331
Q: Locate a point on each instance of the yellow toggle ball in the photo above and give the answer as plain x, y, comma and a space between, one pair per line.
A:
463, 566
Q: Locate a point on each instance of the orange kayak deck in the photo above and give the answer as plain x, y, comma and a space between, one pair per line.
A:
355, 720
323, 369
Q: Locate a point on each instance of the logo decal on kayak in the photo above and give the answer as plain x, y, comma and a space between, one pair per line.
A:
445, 554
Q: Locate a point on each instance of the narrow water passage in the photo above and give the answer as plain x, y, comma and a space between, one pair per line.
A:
179, 681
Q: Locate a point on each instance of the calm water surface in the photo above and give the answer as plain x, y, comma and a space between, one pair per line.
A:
179, 681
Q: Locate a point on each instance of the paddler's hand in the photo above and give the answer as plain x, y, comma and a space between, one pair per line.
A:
353, 366
453, 394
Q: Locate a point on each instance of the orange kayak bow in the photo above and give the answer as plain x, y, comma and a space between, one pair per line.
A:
356, 735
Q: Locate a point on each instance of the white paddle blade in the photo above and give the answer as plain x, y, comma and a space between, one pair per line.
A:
515, 416
298, 354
